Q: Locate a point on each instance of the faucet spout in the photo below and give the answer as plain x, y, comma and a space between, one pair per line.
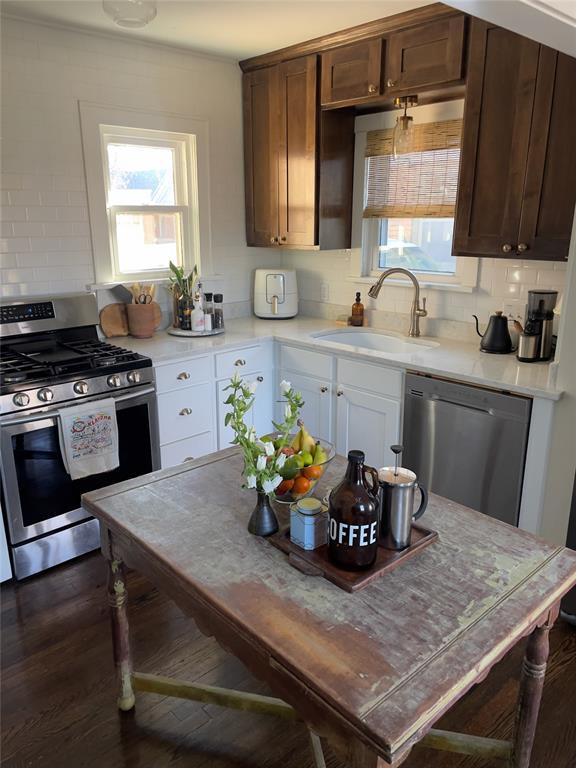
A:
416, 311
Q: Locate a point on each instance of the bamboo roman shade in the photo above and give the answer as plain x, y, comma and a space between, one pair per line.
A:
419, 184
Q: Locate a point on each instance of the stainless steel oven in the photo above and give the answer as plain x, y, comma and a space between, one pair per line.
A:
46, 523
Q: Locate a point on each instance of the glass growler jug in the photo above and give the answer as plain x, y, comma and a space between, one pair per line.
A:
353, 517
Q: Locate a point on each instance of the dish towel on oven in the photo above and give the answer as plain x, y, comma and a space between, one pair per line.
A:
89, 438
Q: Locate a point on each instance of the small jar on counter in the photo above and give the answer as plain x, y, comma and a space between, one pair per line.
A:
218, 320
308, 523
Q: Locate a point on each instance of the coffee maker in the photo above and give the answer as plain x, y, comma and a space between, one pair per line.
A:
535, 342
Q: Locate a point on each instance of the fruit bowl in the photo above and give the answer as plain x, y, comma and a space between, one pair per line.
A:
302, 471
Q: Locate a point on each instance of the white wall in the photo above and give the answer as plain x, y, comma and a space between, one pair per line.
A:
46, 71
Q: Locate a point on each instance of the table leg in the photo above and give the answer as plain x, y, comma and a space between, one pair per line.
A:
531, 686
118, 598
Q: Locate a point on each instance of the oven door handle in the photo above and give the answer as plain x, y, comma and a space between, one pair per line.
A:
39, 415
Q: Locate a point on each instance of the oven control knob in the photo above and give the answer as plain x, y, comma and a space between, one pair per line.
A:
21, 399
134, 377
114, 380
80, 387
45, 395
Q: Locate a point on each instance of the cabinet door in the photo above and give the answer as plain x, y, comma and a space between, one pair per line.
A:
370, 423
424, 56
352, 74
497, 115
259, 416
297, 152
260, 92
317, 411
550, 190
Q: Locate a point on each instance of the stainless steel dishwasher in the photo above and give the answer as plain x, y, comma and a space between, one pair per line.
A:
467, 443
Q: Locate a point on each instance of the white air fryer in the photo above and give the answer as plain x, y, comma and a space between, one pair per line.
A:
275, 293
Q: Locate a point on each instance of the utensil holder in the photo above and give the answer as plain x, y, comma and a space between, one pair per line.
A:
142, 320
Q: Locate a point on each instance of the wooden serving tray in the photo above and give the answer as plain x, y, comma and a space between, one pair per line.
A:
315, 562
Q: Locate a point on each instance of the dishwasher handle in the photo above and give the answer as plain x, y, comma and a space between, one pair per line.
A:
437, 398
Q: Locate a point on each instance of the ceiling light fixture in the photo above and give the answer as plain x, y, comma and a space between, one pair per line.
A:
403, 135
133, 14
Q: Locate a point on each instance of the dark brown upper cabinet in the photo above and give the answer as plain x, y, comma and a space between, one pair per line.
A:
421, 57
516, 194
352, 74
298, 163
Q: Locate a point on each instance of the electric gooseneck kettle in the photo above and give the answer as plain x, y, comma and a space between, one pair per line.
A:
496, 338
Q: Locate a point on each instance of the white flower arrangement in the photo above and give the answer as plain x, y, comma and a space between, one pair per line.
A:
262, 458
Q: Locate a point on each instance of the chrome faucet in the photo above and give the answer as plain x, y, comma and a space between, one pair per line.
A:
417, 311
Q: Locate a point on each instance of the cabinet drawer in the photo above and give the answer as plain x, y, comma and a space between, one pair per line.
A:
307, 362
184, 450
182, 374
241, 361
373, 378
186, 413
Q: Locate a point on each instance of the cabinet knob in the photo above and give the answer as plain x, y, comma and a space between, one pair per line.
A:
239, 363
390, 83
372, 88
283, 238
183, 376
186, 412
522, 247
339, 393
272, 240
506, 248
323, 389
260, 379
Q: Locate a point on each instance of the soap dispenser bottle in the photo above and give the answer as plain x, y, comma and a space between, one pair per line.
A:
357, 317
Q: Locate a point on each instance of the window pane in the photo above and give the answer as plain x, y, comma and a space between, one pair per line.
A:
421, 245
148, 241
141, 175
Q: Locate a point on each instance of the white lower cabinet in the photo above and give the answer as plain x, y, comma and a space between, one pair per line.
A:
187, 449
367, 422
317, 412
259, 417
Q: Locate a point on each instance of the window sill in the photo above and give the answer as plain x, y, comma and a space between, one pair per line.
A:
429, 284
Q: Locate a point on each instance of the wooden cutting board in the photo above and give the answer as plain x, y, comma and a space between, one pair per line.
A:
114, 321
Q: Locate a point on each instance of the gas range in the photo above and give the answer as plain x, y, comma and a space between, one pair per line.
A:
51, 357
58, 364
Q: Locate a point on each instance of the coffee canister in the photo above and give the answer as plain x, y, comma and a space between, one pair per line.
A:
308, 523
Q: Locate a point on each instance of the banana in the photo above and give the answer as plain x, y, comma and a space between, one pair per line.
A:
296, 441
307, 442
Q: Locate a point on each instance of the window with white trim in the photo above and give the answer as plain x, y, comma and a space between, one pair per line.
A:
409, 201
149, 179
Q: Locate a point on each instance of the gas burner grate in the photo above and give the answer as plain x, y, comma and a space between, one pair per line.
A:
15, 369
102, 355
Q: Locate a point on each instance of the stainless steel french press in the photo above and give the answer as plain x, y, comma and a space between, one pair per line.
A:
397, 488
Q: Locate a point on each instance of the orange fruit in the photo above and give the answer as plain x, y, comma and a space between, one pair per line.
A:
313, 472
301, 485
284, 487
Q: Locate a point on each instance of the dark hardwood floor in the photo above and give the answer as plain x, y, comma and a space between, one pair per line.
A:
58, 693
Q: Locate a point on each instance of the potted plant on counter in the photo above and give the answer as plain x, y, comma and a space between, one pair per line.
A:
263, 458
183, 287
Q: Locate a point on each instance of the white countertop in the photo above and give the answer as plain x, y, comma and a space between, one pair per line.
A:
451, 359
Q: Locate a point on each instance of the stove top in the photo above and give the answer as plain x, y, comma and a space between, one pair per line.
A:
51, 361
51, 354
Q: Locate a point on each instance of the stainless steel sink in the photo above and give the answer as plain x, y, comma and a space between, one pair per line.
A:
376, 341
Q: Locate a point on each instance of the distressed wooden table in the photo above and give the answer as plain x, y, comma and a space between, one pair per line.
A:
370, 671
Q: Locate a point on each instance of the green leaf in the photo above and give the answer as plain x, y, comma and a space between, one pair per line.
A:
227, 419
229, 400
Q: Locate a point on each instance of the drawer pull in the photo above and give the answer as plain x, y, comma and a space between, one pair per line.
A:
372, 88
183, 376
390, 83
323, 389
522, 247
239, 362
506, 248
185, 411
339, 393
188, 458
260, 379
